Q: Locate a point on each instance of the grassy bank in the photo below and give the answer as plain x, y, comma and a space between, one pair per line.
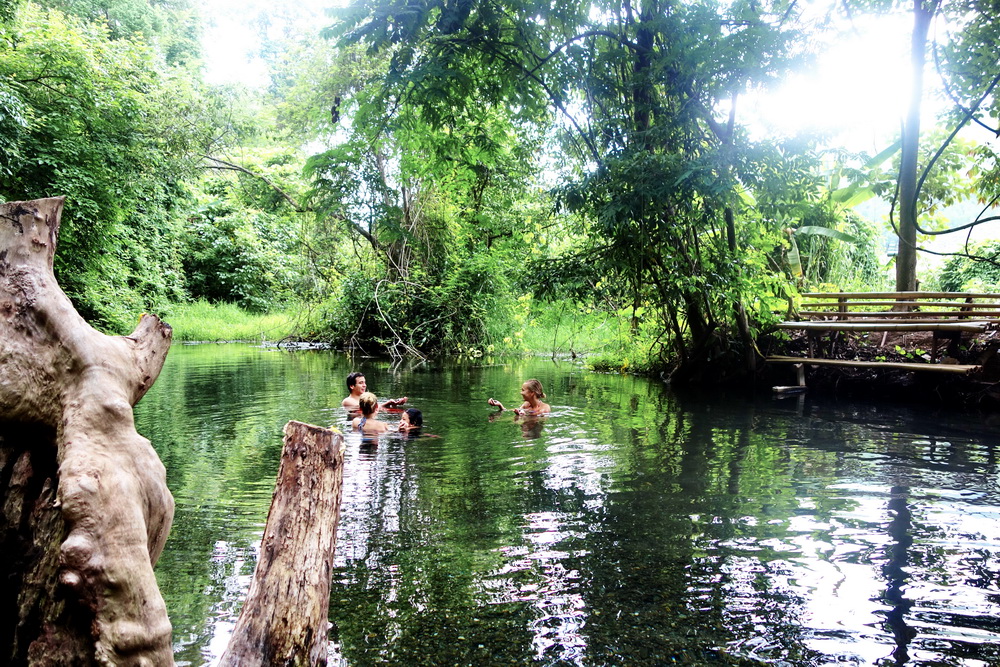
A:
603, 339
203, 321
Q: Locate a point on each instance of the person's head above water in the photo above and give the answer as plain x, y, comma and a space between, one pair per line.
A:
534, 386
368, 402
532, 393
411, 418
357, 380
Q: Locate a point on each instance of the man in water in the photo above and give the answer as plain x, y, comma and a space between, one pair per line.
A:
356, 386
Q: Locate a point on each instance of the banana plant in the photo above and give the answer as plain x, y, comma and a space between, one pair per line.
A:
795, 258
845, 198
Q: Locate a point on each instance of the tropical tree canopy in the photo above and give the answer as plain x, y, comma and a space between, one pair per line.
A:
444, 175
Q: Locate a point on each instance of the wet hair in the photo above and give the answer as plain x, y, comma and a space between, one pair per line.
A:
535, 387
352, 379
416, 417
368, 402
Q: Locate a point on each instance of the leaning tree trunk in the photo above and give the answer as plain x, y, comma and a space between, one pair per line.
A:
85, 506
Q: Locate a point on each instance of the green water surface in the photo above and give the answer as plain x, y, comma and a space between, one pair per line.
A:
630, 527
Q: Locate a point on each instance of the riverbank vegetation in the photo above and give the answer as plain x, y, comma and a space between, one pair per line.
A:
205, 322
480, 177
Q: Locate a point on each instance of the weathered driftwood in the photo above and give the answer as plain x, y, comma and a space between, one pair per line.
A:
284, 619
85, 506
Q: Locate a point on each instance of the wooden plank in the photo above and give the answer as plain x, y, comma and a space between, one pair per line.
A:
955, 369
952, 314
928, 324
900, 295
889, 303
834, 325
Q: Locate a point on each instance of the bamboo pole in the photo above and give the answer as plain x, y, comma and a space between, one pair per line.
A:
955, 306
909, 326
934, 315
956, 369
900, 296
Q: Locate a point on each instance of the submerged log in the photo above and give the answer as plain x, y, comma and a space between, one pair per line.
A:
284, 619
85, 505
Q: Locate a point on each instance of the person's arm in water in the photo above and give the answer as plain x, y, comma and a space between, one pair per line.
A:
525, 409
497, 404
393, 402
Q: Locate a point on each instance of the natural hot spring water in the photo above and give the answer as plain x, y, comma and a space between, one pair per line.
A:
632, 527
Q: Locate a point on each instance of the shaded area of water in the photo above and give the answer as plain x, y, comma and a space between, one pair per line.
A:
630, 527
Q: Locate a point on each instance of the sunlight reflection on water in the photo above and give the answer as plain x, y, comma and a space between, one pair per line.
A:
629, 527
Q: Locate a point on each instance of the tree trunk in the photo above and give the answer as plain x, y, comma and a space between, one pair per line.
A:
906, 257
284, 619
739, 312
86, 509
84, 502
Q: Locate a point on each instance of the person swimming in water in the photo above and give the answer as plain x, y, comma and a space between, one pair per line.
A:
411, 420
367, 423
532, 393
357, 385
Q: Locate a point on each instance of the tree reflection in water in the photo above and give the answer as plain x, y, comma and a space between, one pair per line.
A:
635, 527
895, 574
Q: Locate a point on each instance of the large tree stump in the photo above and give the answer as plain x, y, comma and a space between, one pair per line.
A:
284, 619
85, 506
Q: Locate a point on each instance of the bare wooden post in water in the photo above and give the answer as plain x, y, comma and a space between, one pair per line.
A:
284, 619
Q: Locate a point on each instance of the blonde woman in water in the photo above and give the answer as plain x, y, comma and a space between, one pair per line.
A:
532, 393
367, 422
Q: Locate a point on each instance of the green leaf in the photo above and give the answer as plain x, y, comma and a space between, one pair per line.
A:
794, 261
852, 195
884, 155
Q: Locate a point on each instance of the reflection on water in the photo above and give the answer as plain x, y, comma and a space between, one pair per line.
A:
630, 526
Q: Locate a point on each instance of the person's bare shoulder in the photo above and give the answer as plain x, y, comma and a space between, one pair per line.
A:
349, 402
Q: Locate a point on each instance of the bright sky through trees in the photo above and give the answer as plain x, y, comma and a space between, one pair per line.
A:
232, 36
855, 95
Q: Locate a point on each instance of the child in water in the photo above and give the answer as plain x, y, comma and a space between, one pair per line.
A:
367, 423
532, 393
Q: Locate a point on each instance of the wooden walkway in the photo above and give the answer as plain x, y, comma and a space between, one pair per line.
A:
945, 315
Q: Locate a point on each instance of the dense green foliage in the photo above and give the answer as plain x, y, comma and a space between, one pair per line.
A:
241, 244
486, 175
675, 218
439, 216
976, 271
94, 119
